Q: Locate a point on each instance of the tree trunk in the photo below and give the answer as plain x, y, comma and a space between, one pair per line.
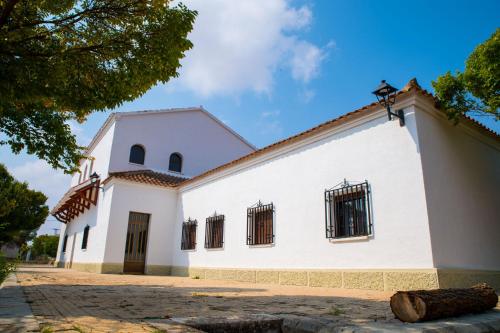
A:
423, 305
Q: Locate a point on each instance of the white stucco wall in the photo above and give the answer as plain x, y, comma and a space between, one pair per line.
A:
462, 178
101, 153
202, 142
97, 218
159, 202
379, 151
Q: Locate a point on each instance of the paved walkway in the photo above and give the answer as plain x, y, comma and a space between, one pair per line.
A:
72, 301
15, 313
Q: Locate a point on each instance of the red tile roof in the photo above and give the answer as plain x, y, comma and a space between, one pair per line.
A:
147, 177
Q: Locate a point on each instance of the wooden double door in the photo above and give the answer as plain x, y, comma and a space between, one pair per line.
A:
136, 243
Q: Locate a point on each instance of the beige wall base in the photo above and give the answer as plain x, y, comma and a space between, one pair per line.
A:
457, 278
349, 279
92, 267
158, 270
373, 279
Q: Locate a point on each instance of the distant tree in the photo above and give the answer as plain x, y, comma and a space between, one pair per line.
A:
476, 91
25, 210
61, 60
45, 245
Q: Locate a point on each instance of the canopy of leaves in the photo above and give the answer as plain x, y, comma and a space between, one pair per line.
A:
63, 59
45, 245
476, 91
24, 212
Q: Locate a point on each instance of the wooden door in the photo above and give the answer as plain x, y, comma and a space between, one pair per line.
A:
136, 243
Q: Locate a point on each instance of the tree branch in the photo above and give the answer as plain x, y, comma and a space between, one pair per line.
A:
9, 6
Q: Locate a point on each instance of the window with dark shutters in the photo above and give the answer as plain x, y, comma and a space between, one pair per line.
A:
260, 224
347, 211
214, 232
85, 237
188, 241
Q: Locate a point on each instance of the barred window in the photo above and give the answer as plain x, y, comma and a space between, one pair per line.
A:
85, 237
188, 241
214, 232
347, 211
260, 224
65, 242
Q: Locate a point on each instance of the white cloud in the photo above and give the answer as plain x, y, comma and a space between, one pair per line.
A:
305, 61
81, 138
267, 114
238, 45
306, 95
41, 177
269, 124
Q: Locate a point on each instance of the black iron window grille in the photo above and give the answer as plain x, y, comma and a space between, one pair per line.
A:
85, 237
214, 232
347, 211
188, 241
260, 224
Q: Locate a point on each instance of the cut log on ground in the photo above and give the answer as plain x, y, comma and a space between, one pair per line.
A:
423, 305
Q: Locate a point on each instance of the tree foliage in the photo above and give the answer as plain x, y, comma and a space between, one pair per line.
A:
24, 212
45, 245
62, 59
476, 91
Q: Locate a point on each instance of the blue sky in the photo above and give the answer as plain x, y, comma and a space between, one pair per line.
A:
270, 69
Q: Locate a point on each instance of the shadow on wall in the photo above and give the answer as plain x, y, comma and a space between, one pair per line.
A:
181, 257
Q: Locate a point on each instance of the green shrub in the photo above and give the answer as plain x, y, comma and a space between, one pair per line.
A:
6, 267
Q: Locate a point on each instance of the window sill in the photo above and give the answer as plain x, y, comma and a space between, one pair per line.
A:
349, 239
188, 250
214, 248
261, 245
136, 163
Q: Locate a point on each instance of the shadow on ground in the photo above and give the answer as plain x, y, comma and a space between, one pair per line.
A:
61, 298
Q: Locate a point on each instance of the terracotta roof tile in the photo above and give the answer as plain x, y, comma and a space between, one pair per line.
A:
147, 177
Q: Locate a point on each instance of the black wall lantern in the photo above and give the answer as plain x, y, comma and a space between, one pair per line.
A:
386, 96
94, 178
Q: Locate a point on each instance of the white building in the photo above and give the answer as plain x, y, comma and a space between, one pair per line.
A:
356, 202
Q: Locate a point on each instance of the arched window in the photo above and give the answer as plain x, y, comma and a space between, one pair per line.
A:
137, 154
175, 163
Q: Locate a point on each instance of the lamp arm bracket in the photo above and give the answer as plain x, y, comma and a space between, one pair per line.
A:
398, 114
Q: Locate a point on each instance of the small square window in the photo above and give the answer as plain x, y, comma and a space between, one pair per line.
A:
348, 211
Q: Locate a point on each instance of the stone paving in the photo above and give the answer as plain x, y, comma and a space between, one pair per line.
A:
15, 313
72, 301
122, 303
